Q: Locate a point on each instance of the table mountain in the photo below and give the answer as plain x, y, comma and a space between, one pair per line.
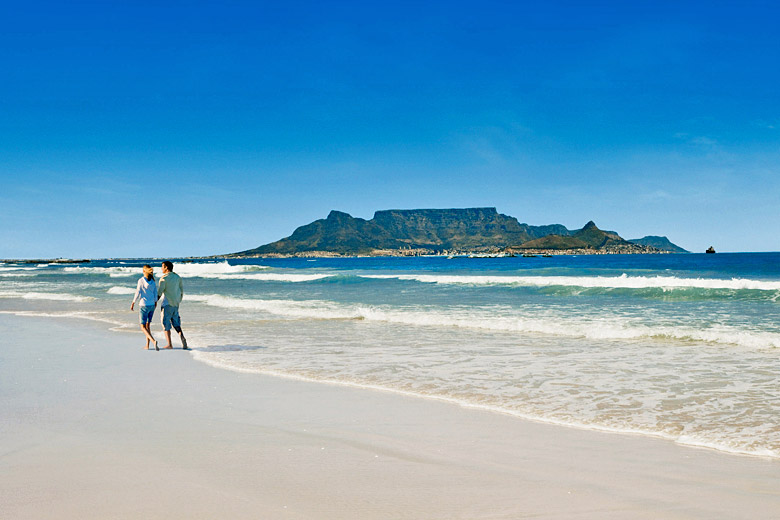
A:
435, 230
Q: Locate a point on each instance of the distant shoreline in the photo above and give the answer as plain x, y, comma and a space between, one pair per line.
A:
505, 253
374, 254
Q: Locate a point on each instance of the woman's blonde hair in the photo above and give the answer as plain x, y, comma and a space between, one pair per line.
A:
148, 272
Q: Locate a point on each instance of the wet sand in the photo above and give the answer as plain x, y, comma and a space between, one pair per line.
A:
93, 426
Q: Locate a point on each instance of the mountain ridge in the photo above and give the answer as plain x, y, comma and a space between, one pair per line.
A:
437, 231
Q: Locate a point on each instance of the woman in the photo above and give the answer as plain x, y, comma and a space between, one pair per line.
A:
146, 292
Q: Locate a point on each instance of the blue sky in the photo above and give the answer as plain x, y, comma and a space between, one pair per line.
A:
131, 129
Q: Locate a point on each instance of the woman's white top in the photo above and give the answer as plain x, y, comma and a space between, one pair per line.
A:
146, 291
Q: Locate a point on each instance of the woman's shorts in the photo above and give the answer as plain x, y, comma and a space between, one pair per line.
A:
147, 311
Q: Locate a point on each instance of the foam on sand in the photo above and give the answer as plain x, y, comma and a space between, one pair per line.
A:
212, 358
208, 422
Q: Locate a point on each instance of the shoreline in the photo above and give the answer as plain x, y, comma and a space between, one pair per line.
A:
467, 405
477, 253
103, 428
493, 410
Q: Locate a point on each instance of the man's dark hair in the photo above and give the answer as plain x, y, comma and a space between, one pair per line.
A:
168, 265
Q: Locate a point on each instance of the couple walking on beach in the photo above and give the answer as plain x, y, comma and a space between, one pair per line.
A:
148, 292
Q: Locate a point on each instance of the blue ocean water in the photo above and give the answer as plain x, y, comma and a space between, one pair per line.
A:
683, 347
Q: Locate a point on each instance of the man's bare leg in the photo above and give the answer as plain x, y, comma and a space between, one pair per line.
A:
182, 338
168, 339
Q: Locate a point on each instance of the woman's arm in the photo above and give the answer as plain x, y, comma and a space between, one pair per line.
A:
136, 295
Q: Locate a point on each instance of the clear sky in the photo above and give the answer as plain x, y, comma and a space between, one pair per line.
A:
133, 129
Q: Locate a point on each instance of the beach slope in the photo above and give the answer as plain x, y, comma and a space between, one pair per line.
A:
95, 427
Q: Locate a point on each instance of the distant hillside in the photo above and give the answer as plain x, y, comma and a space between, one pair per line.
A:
657, 242
435, 231
589, 237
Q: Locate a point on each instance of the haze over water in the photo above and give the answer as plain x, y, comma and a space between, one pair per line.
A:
684, 347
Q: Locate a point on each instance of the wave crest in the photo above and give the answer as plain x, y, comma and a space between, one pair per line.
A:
603, 328
45, 296
617, 282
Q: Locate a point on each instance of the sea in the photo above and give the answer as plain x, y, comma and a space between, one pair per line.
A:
684, 347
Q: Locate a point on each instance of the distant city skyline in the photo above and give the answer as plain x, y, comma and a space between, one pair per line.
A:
185, 129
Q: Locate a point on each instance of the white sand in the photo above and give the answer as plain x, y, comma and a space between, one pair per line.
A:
92, 426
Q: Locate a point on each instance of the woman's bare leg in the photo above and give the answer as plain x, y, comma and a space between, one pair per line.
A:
148, 333
149, 330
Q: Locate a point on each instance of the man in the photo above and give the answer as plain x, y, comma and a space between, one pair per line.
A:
171, 290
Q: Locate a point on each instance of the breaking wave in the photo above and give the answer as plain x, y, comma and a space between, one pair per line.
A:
220, 271
45, 296
624, 281
498, 319
119, 289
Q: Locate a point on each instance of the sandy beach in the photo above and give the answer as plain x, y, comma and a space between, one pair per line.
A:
93, 426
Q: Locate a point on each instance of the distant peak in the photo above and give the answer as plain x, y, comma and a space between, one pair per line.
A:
338, 215
590, 225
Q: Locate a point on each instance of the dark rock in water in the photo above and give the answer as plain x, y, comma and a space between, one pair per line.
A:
710, 250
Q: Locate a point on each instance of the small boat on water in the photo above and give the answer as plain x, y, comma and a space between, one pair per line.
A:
710, 250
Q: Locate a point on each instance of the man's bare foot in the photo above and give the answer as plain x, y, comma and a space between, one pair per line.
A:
168, 346
184, 343
146, 347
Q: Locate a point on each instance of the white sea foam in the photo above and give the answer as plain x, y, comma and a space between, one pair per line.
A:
114, 272
313, 309
623, 281
214, 269
215, 359
119, 289
118, 325
272, 277
494, 319
219, 271
17, 271
45, 296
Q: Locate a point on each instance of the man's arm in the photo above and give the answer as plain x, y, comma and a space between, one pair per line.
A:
160, 288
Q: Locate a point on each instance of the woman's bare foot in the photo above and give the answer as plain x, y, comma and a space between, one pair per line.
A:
169, 346
146, 347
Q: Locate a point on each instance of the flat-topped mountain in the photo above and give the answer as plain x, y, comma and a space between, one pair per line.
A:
435, 231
